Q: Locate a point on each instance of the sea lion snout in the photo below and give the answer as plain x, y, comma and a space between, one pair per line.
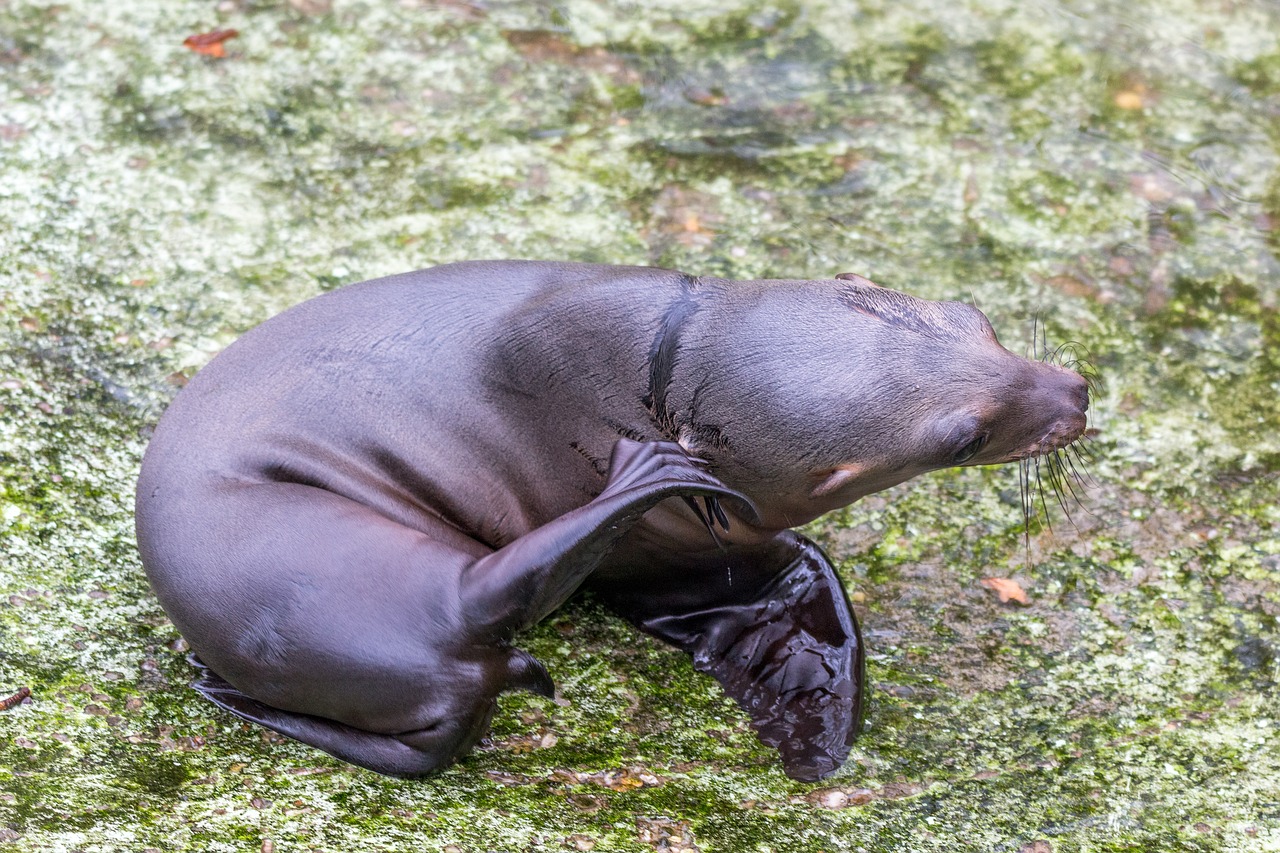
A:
1074, 388
1056, 410
1073, 396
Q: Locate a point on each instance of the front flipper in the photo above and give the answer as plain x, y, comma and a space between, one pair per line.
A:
520, 584
790, 653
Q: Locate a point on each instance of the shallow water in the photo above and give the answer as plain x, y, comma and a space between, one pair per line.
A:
1107, 171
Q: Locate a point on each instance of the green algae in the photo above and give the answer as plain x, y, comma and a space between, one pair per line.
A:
1108, 169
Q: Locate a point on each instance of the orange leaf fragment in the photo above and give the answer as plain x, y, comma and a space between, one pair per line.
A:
210, 43
1007, 589
1132, 97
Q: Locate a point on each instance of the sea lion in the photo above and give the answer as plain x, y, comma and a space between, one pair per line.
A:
353, 510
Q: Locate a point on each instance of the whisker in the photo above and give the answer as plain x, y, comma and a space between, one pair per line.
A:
1084, 450
1043, 504
1052, 476
1069, 346
1024, 478
1024, 488
1082, 477
1058, 480
1061, 470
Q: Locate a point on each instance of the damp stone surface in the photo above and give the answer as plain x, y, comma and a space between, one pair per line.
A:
1094, 171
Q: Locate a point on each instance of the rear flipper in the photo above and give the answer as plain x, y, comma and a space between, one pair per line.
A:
790, 652
410, 754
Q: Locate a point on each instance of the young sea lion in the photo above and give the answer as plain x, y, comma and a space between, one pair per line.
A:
352, 511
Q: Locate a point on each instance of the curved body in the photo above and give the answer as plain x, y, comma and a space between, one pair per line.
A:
352, 511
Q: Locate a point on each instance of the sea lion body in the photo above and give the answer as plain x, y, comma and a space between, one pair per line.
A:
352, 511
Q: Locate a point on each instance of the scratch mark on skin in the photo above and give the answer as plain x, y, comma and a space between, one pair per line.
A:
600, 466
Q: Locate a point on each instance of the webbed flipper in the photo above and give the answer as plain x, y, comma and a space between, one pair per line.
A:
381, 753
411, 754
788, 650
520, 584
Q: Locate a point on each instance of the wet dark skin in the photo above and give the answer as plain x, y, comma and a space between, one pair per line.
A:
354, 510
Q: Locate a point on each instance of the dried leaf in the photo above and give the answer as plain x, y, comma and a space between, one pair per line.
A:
210, 43
705, 97
1007, 589
312, 7
1129, 99
829, 798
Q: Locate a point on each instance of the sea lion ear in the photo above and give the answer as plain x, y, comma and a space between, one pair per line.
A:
839, 476
856, 279
525, 672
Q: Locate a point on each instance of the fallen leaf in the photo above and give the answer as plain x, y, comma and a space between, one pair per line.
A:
312, 7
705, 97
829, 798
210, 43
1131, 99
541, 45
1007, 589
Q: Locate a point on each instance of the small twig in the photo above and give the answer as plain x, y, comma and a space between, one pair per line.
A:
16, 699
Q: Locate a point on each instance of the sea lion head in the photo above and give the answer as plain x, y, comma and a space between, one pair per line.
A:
814, 394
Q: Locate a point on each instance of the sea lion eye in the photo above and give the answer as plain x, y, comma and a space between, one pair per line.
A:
967, 452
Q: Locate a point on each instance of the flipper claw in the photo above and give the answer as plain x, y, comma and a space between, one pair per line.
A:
713, 506
697, 510
709, 518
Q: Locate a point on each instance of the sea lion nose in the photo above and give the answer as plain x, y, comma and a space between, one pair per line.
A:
1080, 391
1062, 387
1062, 397
1073, 404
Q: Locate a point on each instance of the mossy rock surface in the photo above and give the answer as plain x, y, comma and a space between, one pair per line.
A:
1104, 172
